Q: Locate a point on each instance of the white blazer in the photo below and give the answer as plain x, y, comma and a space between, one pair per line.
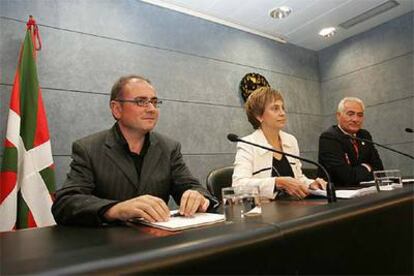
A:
253, 165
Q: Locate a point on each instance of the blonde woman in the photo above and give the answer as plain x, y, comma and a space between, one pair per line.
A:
273, 172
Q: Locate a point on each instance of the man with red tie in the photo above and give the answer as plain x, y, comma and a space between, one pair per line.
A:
348, 161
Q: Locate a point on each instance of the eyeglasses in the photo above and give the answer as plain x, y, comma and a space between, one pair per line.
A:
142, 102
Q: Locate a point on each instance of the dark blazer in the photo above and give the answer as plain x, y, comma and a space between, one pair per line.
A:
102, 174
338, 156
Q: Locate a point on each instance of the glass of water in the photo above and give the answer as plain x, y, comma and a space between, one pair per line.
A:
387, 180
240, 202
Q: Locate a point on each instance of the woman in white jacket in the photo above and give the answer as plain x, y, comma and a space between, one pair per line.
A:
273, 172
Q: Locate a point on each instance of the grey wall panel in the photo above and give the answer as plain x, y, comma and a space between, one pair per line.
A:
74, 115
301, 96
201, 165
306, 129
61, 169
201, 128
388, 121
138, 22
91, 64
387, 81
390, 40
312, 155
5, 92
11, 37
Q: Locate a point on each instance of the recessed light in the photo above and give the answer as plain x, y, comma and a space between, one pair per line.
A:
280, 12
327, 32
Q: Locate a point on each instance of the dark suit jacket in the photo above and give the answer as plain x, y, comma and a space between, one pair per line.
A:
102, 174
337, 155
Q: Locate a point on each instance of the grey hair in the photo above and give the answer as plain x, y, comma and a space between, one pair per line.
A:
341, 105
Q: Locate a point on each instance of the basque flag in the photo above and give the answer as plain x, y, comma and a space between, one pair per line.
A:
27, 179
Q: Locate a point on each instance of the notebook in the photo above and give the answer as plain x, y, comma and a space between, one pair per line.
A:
176, 222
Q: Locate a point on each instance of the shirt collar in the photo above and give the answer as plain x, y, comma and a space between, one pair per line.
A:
343, 131
124, 143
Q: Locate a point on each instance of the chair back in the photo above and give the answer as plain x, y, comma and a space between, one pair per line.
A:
218, 179
310, 172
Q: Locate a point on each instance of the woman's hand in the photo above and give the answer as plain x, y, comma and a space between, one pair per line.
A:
318, 184
292, 186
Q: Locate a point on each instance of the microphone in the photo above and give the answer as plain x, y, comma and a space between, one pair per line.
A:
382, 146
409, 130
330, 188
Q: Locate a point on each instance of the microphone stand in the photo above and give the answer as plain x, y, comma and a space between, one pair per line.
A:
330, 188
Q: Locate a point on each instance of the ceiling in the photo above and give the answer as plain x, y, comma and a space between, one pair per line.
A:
300, 28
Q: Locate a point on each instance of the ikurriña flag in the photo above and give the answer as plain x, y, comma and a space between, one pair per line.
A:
27, 179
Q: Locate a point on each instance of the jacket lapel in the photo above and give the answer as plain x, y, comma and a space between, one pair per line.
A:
116, 153
286, 146
259, 138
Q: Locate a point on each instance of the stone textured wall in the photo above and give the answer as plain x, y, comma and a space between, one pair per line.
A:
195, 65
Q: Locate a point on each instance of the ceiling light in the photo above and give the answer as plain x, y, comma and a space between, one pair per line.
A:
327, 32
280, 12
369, 14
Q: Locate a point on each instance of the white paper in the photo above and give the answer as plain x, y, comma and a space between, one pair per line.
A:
181, 222
347, 193
372, 182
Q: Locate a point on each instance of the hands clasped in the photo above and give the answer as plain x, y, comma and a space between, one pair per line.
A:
292, 186
318, 184
297, 189
154, 209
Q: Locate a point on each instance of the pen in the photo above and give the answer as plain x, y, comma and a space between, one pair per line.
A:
177, 215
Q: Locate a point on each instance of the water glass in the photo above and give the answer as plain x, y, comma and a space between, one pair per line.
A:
241, 202
387, 180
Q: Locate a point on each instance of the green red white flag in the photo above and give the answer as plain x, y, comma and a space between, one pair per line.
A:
27, 179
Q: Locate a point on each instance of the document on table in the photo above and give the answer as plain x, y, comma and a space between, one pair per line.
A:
176, 223
347, 193
372, 182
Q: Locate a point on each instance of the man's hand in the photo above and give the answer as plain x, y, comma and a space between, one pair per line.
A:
149, 207
191, 202
292, 186
318, 184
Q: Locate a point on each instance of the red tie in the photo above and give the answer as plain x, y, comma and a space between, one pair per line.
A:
355, 144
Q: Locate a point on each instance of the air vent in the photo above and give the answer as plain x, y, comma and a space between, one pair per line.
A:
369, 14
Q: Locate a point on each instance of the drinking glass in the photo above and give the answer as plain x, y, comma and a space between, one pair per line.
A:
240, 202
387, 180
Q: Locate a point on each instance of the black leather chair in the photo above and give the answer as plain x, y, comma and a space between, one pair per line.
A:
218, 179
311, 173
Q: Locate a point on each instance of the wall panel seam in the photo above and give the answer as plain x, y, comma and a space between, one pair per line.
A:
165, 99
377, 104
367, 67
168, 50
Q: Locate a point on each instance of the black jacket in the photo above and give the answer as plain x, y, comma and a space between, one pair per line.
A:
338, 156
102, 174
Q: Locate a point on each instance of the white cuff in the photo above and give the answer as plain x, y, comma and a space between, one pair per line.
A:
368, 167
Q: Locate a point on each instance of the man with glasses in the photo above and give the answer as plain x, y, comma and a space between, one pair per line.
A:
128, 171
347, 160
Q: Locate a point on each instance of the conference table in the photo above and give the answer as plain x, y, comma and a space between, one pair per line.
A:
372, 234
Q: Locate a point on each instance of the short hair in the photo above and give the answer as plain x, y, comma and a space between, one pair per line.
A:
341, 105
119, 85
256, 103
